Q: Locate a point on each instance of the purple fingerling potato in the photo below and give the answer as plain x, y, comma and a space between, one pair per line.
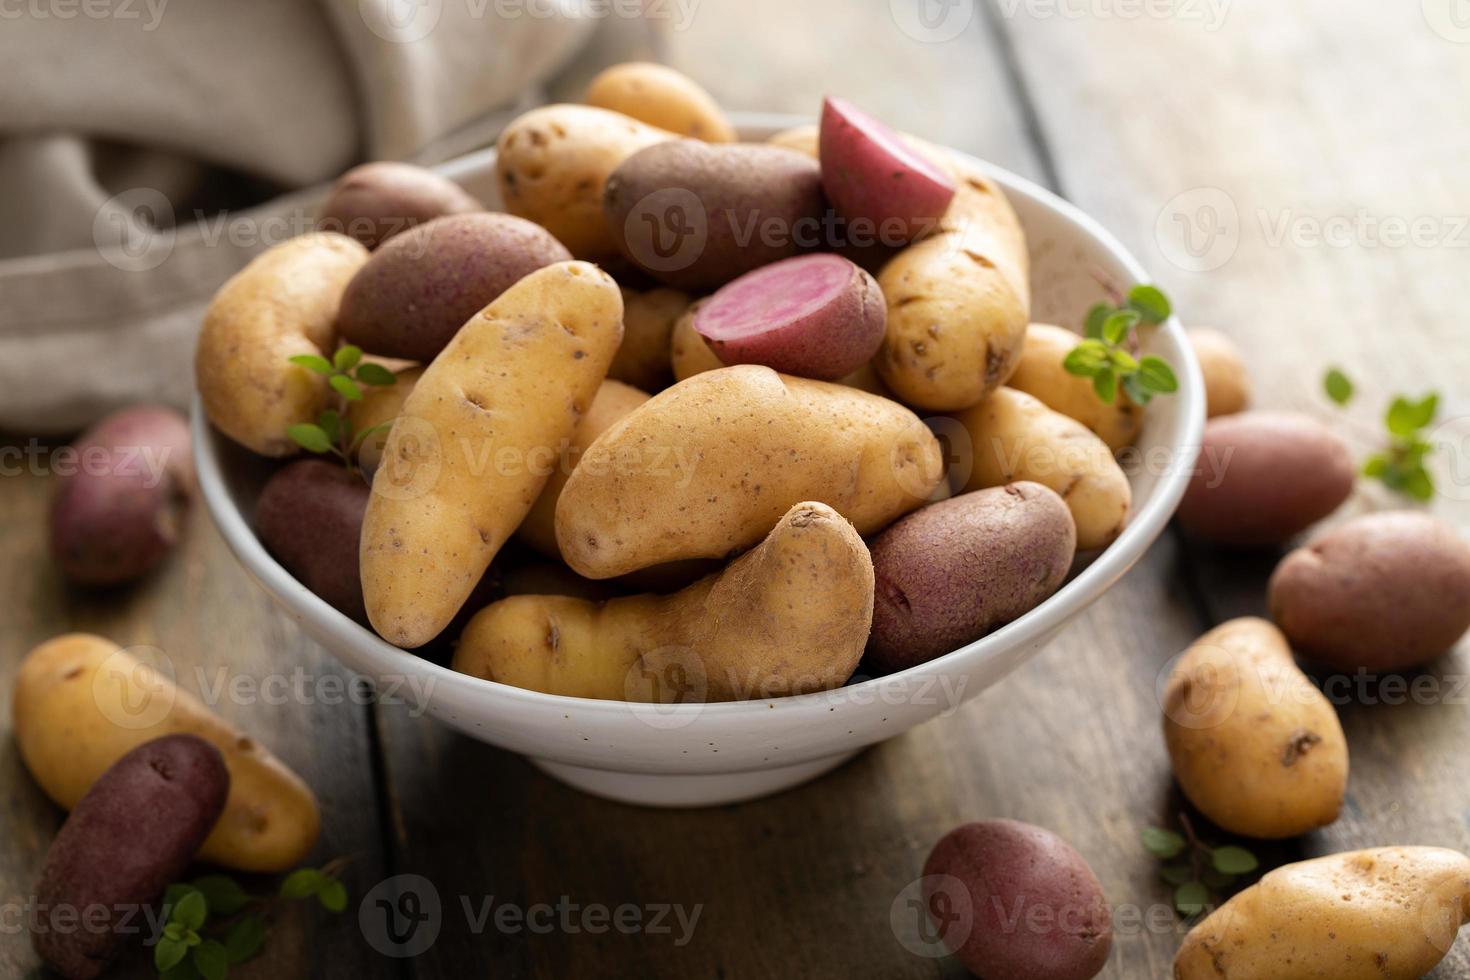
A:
376, 201
309, 516
134, 832
815, 316
869, 173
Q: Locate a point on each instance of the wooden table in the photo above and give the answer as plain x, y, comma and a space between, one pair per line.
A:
1245, 128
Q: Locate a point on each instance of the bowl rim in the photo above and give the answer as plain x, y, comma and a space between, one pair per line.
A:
373, 656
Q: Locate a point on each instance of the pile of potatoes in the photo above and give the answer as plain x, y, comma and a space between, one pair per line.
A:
677, 388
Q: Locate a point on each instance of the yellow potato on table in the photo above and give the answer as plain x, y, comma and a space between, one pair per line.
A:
648, 323
1040, 374
1255, 746
81, 702
1388, 913
613, 401
706, 468
283, 304
1227, 382
662, 97
1013, 436
476, 442
551, 164
788, 617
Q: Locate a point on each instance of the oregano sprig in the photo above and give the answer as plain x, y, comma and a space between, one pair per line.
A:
1199, 873
1400, 465
1108, 354
346, 373
212, 924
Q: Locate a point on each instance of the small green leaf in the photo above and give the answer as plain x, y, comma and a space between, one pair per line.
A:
1233, 860
1426, 410
1339, 386
1117, 326
1157, 376
1403, 417
191, 912
345, 387
222, 894
375, 374
1376, 466
1161, 843
1151, 303
1419, 484
1135, 389
1093, 327
245, 939
333, 896
168, 953
212, 960
191, 938
310, 437
1105, 383
313, 362
1191, 898
173, 930
174, 892
346, 357
1177, 874
1087, 358
1125, 362
330, 422
303, 882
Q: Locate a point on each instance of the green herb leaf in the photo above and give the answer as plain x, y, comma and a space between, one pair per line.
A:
1405, 417
1339, 386
333, 896
168, 953
174, 892
222, 894
1151, 303
173, 930
312, 438
245, 939
1375, 466
1117, 326
1177, 874
375, 374
1233, 860
303, 882
330, 422
1087, 358
1134, 388
1161, 843
212, 960
1157, 376
313, 362
1092, 328
346, 357
345, 387
1125, 362
1105, 383
191, 911
1428, 408
1191, 898
1419, 484
191, 938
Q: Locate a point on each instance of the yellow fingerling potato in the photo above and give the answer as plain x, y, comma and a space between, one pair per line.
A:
1040, 373
1388, 913
475, 443
1227, 382
283, 304
551, 165
379, 406
706, 468
662, 97
1013, 436
790, 616
81, 702
1254, 744
614, 400
648, 323
802, 139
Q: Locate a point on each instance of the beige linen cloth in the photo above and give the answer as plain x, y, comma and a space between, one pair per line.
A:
139, 138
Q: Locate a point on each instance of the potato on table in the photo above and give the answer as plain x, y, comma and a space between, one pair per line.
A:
1040, 374
788, 617
1254, 744
1015, 437
1388, 913
1227, 383
662, 97
707, 467
460, 469
283, 304
376, 201
81, 703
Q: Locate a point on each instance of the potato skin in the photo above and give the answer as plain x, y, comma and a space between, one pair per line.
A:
1227, 383
1039, 373
661, 97
121, 512
376, 201
754, 630
1036, 910
707, 467
381, 404
1381, 592
68, 694
282, 304
464, 462
648, 325
551, 164
309, 516
953, 571
1254, 745
758, 202
1263, 477
105, 856
1015, 437
1387, 913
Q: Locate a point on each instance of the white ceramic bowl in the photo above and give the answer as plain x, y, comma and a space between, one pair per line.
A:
693, 754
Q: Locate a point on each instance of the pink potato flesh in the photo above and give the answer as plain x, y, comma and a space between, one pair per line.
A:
815, 316
871, 175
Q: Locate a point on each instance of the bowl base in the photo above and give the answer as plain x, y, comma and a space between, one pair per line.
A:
651, 789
